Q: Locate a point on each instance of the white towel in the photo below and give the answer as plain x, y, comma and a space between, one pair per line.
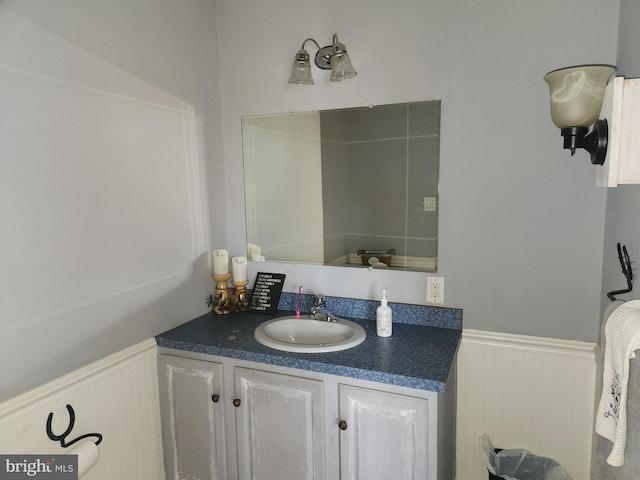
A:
622, 337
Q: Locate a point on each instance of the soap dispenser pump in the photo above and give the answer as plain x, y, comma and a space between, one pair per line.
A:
383, 317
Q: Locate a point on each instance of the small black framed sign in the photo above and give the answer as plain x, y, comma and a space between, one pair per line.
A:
266, 292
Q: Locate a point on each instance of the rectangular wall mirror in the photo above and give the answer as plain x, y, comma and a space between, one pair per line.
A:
348, 187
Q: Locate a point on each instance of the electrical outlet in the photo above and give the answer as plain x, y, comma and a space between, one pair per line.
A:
435, 290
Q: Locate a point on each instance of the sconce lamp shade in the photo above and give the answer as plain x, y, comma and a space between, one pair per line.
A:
301, 70
577, 93
341, 68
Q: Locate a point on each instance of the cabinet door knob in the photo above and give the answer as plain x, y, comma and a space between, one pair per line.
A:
236, 402
215, 397
342, 425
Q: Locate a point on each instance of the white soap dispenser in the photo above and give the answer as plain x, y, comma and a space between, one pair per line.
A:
383, 317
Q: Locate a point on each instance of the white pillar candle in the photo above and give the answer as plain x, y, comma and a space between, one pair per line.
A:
220, 262
239, 265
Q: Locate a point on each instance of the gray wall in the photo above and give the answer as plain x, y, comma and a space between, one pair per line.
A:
521, 221
521, 225
334, 130
623, 202
377, 166
110, 122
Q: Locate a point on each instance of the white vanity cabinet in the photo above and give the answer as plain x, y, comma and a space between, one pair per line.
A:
193, 423
279, 426
385, 435
276, 423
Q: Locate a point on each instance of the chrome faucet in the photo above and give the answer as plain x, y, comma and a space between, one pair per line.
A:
319, 309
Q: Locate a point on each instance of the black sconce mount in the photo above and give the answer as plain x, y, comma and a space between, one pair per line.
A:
594, 142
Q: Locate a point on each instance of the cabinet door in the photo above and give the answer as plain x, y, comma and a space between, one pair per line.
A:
384, 437
192, 419
279, 426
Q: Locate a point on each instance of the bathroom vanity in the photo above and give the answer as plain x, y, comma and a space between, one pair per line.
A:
233, 408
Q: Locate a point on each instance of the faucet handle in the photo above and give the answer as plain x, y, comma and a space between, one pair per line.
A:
319, 301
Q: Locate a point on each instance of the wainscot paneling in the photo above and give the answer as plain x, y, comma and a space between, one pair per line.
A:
525, 392
116, 397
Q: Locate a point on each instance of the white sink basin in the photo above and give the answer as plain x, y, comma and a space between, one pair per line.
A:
305, 335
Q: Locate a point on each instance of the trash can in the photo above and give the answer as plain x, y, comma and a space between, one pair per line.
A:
491, 475
519, 464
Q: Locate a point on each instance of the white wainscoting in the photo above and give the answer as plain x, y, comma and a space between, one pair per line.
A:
116, 396
525, 392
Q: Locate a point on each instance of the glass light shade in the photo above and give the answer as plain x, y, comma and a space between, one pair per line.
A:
341, 68
301, 70
577, 93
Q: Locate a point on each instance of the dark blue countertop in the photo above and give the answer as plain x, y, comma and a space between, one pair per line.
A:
416, 356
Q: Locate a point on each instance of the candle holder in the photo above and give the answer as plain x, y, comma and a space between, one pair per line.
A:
220, 302
226, 299
239, 301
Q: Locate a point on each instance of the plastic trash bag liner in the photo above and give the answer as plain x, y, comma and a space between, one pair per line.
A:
519, 464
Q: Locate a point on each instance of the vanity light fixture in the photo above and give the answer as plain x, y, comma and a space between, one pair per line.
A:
576, 99
332, 57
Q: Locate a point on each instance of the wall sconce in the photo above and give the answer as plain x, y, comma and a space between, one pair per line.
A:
576, 100
332, 57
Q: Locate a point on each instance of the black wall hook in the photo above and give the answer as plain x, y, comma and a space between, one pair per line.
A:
625, 263
62, 438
